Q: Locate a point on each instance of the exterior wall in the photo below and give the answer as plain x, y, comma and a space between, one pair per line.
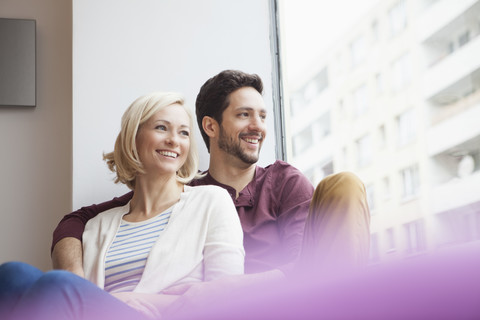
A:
422, 78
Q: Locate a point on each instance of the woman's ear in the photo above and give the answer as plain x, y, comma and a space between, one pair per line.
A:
210, 126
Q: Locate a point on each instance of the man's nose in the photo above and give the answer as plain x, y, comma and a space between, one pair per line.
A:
257, 123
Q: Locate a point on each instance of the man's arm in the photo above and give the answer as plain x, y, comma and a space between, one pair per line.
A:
67, 255
66, 247
294, 202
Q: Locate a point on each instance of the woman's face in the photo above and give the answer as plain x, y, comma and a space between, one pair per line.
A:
163, 141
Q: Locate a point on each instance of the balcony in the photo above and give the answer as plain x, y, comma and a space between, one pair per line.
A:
440, 15
454, 131
449, 79
456, 193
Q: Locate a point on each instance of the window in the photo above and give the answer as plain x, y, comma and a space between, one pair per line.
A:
379, 83
322, 126
364, 150
386, 188
304, 96
415, 237
358, 49
302, 141
370, 198
375, 32
382, 137
390, 240
382, 120
360, 100
410, 182
374, 248
398, 18
401, 73
464, 38
407, 129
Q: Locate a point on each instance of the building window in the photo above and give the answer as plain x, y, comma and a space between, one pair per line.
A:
374, 248
308, 93
375, 32
407, 128
358, 49
360, 100
410, 182
464, 38
390, 240
397, 17
387, 193
379, 83
302, 141
382, 137
415, 237
370, 198
364, 150
401, 72
322, 126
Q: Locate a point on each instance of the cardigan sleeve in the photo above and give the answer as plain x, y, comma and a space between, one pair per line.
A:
223, 252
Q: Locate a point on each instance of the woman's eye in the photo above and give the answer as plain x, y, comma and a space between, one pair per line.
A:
161, 127
185, 133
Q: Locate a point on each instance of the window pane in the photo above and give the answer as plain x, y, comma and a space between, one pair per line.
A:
391, 91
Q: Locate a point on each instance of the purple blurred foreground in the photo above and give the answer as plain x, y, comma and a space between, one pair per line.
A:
444, 285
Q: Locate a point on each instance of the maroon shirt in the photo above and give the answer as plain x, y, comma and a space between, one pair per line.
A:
272, 210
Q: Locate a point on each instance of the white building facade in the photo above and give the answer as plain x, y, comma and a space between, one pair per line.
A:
397, 101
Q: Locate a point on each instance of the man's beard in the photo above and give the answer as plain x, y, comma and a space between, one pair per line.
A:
230, 146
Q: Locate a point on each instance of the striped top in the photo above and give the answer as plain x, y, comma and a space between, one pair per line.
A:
127, 256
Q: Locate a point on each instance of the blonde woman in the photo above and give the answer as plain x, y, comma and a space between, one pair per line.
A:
168, 234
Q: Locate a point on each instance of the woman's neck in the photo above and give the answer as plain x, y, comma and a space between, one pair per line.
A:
153, 196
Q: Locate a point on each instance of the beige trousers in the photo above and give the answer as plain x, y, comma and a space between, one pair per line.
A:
337, 230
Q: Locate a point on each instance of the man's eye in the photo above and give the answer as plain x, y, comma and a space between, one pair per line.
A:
243, 114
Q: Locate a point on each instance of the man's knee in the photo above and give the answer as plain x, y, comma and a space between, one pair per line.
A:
342, 184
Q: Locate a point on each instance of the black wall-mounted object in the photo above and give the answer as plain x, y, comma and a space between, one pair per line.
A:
17, 62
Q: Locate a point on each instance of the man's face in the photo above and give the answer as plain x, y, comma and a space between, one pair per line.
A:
243, 127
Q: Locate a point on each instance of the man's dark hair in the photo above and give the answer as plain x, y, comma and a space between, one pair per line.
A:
213, 97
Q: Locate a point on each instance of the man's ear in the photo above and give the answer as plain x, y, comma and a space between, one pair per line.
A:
210, 126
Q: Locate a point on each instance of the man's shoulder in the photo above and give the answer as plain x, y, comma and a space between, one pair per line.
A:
282, 168
283, 174
202, 180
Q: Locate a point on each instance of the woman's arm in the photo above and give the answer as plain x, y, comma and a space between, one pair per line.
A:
223, 253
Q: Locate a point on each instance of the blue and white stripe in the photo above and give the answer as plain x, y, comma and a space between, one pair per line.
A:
127, 256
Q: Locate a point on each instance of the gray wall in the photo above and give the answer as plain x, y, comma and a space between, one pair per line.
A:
36, 143
123, 49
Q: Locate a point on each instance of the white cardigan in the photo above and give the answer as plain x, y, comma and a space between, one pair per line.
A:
202, 241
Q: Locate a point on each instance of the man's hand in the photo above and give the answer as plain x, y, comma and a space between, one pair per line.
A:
68, 255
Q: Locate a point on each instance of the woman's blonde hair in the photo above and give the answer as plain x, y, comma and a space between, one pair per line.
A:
124, 159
